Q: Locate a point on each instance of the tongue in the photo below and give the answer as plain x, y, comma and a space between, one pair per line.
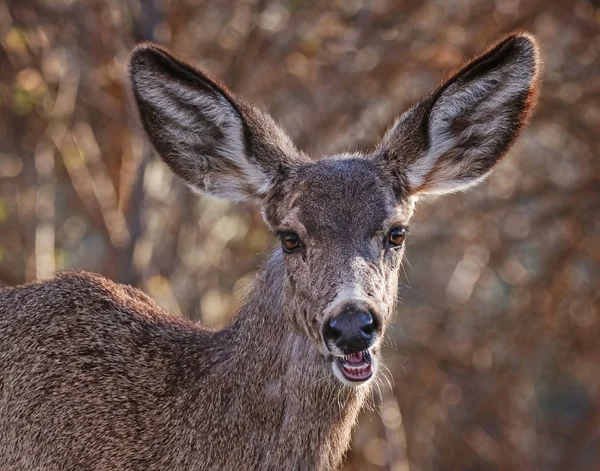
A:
355, 357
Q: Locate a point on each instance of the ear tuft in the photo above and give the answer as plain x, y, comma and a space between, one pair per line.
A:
453, 138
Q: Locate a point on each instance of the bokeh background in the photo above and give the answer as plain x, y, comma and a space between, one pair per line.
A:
495, 356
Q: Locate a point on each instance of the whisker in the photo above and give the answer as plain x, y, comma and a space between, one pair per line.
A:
391, 376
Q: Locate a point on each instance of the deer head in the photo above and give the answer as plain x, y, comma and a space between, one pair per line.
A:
342, 219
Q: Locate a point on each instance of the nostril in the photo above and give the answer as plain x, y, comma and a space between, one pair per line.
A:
368, 328
331, 330
368, 324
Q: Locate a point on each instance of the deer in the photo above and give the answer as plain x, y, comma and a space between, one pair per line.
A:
95, 375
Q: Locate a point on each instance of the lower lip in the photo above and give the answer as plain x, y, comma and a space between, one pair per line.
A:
357, 372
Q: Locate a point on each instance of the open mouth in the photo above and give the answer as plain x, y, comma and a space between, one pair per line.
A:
356, 367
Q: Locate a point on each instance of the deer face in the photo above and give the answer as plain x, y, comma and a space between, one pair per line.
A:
342, 234
343, 219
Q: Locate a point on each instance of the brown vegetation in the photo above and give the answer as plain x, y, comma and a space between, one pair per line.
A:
495, 353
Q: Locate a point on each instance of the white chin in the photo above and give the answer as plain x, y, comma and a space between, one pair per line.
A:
337, 372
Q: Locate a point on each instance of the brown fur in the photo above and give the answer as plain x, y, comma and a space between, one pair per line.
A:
97, 376
94, 375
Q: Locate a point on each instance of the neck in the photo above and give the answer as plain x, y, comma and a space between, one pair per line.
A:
287, 379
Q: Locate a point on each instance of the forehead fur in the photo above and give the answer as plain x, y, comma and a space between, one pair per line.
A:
341, 194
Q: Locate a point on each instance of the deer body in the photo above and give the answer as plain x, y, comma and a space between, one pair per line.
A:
111, 381
94, 375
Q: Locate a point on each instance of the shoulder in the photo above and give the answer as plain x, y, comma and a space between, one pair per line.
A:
85, 293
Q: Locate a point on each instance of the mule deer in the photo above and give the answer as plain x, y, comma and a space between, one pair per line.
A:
94, 375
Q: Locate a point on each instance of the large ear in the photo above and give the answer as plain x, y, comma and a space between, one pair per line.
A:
453, 138
213, 140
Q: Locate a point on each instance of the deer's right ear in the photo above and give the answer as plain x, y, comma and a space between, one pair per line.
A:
214, 141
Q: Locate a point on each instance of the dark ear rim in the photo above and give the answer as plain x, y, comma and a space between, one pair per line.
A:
409, 137
150, 58
264, 146
516, 43
160, 55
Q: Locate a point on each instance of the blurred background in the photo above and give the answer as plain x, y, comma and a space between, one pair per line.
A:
495, 356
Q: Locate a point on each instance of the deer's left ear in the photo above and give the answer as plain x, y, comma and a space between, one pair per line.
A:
453, 138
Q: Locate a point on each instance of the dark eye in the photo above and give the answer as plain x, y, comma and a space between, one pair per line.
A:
396, 236
289, 241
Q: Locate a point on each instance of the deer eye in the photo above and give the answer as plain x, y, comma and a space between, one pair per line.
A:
396, 236
289, 241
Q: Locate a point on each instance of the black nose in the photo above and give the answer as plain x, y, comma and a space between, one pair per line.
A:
352, 331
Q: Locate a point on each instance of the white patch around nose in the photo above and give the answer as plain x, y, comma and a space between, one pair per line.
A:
346, 294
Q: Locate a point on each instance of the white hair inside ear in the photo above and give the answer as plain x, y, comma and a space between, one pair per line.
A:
218, 144
470, 121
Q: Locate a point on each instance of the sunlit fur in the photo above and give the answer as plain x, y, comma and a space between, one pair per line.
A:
94, 375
